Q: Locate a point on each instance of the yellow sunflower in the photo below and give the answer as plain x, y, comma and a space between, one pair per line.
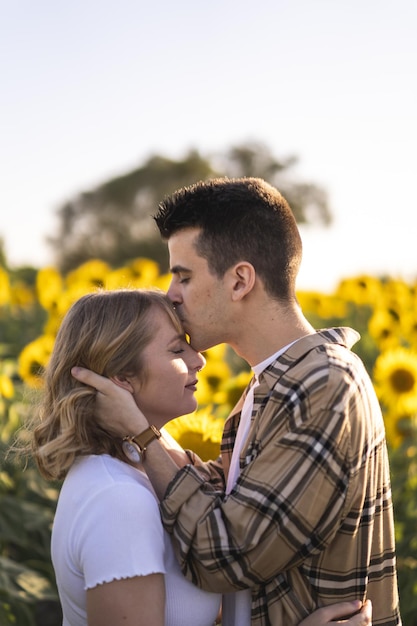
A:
212, 376
234, 387
410, 326
163, 282
397, 296
89, 275
139, 274
4, 287
120, 278
323, 305
145, 273
69, 296
395, 378
8, 371
214, 373
6, 386
204, 393
33, 359
361, 290
217, 353
49, 284
198, 432
384, 328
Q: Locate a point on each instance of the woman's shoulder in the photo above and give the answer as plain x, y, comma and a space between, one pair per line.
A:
103, 487
92, 474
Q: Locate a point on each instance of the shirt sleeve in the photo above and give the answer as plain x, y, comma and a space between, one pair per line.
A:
291, 495
119, 535
210, 471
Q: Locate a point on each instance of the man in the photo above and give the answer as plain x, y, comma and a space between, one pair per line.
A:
297, 513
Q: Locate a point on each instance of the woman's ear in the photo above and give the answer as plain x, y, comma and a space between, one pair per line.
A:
122, 381
243, 276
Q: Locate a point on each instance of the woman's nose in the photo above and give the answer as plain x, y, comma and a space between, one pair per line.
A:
200, 361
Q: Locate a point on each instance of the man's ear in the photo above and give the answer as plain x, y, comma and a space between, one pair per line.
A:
243, 276
122, 381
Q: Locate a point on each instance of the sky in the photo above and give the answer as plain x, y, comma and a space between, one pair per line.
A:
91, 88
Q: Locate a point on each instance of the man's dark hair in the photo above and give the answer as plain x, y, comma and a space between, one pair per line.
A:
241, 219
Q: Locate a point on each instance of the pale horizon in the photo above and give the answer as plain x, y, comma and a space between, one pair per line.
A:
90, 91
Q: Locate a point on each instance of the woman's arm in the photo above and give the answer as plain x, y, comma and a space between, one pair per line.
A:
138, 601
334, 614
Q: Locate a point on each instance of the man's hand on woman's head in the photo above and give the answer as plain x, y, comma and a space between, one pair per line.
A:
335, 614
116, 408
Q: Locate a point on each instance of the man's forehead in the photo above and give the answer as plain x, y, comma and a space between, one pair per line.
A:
185, 262
182, 249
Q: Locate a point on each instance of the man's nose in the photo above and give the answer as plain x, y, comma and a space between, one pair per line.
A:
173, 293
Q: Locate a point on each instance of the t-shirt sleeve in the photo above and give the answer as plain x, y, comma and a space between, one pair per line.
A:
119, 534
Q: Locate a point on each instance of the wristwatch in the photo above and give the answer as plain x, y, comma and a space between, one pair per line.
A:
134, 448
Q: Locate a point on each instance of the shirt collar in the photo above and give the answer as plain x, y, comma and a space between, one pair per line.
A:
260, 367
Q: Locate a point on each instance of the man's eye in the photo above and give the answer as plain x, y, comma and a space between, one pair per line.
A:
179, 351
184, 280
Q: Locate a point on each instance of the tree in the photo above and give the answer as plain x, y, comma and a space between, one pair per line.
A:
113, 222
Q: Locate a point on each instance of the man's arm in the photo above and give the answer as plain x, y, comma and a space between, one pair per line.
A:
212, 471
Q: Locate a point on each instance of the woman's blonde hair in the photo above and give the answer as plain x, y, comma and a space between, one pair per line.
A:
106, 332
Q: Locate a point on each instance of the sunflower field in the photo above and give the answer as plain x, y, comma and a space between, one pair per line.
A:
383, 310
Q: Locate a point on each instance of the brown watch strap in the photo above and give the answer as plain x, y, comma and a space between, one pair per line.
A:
145, 437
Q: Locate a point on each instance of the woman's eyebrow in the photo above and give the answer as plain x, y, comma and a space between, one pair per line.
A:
179, 337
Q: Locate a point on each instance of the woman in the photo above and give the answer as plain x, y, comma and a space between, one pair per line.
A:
114, 562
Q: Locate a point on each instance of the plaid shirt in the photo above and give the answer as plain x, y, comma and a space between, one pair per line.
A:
310, 520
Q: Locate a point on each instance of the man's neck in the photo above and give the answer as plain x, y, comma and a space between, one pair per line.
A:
259, 336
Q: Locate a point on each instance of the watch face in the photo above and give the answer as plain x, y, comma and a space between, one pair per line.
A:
132, 451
